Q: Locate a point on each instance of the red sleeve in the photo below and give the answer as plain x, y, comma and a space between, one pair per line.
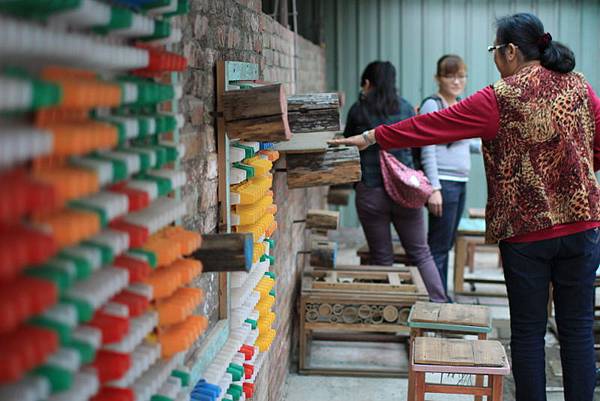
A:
595, 104
474, 117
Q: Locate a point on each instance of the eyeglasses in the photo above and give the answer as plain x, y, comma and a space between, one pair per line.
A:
452, 78
495, 47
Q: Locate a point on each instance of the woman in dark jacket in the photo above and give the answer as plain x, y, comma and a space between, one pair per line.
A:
540, 126
380, 104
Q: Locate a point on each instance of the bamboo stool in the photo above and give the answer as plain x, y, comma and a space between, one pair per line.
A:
450, 318
468, 357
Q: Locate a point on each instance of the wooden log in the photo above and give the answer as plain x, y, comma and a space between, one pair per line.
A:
260, 101
263, 129
339, 197
305, 102
336, 166
323, 253
315, 121
312, 112
322, 219
226, 252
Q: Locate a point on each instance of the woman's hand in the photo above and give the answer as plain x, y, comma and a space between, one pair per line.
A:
434, 203
357, 140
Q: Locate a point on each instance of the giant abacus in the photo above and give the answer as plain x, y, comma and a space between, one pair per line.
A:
95, 301
234, 353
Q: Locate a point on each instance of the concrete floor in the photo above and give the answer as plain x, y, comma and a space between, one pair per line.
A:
333, 388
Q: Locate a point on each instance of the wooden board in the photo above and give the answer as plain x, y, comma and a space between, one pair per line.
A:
312, 142
451, 352
456, 314
312, 112
315, 121
260, 101
476, 213
313, 101
225, 252
268, 128
337, 165
322, 219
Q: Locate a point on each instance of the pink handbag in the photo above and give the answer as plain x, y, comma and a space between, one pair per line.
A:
407, 187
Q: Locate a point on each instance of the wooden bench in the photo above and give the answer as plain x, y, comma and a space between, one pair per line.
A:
464, 357
399, 254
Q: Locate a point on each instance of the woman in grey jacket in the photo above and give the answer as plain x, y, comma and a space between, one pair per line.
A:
447, 166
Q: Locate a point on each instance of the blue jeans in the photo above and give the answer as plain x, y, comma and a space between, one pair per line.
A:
570, 264
442, 230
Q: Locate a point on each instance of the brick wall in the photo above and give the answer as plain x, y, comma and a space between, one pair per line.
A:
239, 31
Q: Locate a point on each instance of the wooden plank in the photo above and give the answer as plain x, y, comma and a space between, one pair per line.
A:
394, 278
441, 351
313, 101
425, 312
465, 315
489, 353
418, 281
260, 101
313, 142
314, 121
365, 287
264, 129
337, 165
385, 328
322, 219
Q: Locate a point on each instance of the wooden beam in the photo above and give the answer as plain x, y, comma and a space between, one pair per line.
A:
322, 219
312, 112
307, 142
260, 101
226, 252
323, 253
262, 129
336, 166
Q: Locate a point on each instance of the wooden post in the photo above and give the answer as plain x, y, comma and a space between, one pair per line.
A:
262, 129
323, 253
460, 258
322, 219
226, 252
313, 112
337, 165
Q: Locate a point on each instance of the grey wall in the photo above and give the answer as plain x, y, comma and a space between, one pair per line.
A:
413, 34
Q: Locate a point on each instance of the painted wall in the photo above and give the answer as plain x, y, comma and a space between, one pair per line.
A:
413, 34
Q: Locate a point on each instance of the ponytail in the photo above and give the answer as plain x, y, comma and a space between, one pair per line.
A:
558, 57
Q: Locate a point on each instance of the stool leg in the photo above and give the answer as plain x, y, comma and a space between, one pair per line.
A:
497, 387
411, 385
479, 383
460, 256
420, 386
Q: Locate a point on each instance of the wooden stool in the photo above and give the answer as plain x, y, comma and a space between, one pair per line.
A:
468, 357
450, 318
399, 254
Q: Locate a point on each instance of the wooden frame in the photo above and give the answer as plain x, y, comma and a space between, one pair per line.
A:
226, 73
357, 309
